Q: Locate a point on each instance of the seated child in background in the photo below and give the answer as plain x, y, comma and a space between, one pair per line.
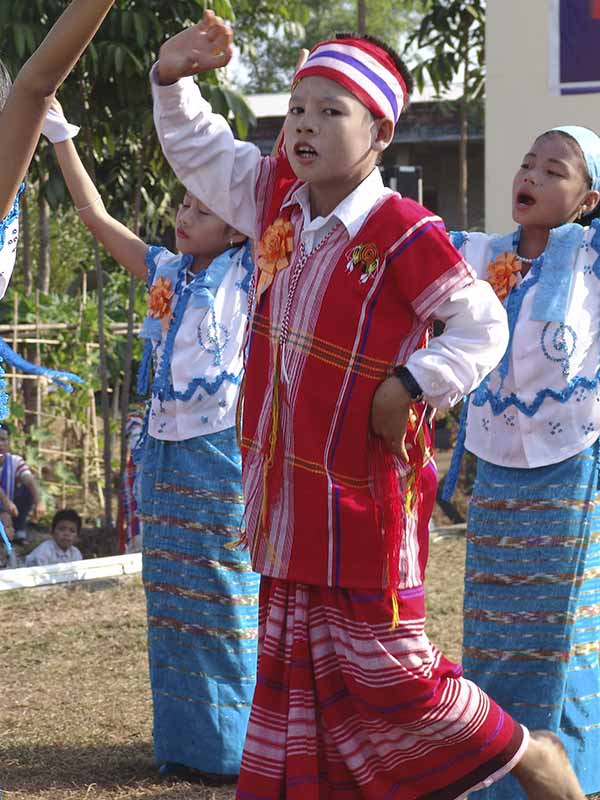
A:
66, 526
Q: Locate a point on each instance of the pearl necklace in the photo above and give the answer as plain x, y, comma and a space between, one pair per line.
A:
528, 260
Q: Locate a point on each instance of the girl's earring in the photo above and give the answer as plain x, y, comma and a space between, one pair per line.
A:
230, 243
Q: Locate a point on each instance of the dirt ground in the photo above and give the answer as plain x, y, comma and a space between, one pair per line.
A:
75, 716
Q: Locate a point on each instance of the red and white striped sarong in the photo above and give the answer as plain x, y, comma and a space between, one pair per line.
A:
347, 708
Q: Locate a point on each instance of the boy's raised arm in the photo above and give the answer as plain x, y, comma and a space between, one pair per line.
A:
30, 97
199, 145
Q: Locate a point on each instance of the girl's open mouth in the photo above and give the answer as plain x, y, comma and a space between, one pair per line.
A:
525, 199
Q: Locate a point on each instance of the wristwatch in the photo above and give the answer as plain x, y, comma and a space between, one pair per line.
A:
410, 384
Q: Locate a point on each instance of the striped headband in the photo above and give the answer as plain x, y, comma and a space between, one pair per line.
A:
364, 69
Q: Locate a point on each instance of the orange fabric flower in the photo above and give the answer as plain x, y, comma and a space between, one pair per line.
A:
159, 299
502, 273
273, 252
369, 254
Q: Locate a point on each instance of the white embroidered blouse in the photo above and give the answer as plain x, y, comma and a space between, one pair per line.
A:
198, 350
9, 235
541, 405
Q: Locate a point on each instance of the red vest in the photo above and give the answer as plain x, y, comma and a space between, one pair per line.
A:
350, 321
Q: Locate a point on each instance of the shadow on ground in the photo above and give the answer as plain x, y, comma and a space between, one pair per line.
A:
39, 767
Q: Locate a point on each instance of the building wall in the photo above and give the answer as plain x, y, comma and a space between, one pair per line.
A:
519, 104
440, 180
439, 162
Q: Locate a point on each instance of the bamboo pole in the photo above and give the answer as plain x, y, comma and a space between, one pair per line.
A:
85, 477
126, 388
35, 341
38, 360
95, 450
118, 328
85, 436
116, 393
63, 491
14, 342
67, 455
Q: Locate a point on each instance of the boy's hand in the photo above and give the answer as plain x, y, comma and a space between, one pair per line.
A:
204, 46
389, 415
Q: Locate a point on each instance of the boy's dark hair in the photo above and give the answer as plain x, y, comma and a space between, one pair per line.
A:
400, 65
5, 84
68, 515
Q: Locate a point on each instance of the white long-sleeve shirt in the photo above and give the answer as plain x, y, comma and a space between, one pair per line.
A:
222, 172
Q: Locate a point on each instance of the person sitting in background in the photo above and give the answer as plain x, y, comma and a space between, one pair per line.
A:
18, 485
7, 559
60, 549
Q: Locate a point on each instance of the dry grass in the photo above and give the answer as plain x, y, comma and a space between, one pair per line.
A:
76, 714
75, 719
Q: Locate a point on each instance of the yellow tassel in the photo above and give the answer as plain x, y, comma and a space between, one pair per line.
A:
238, 411
272, 437
395, 610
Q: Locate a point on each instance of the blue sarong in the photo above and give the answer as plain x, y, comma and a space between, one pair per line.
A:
202, 600
532, 603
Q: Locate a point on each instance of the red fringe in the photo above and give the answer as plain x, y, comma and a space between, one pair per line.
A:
394, 504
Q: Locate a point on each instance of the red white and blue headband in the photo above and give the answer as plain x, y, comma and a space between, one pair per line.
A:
363, 68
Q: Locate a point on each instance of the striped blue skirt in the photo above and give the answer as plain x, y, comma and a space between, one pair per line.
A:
532, 603
202, 600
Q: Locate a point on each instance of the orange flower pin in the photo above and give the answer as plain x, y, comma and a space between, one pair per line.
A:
273, 252
365, 256
502, 273
159, 299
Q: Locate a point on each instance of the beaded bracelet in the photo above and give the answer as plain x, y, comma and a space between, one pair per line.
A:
89, 205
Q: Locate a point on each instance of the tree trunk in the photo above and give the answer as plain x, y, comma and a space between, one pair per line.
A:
28, 388
361, 17
107, 454
44, 258
126, 388
104, 398
463, 167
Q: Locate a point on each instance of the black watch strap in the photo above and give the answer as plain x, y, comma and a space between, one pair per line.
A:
410, 384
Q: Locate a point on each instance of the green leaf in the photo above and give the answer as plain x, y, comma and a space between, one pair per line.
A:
141, 27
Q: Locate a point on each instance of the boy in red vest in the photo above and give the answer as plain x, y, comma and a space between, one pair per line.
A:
352, 700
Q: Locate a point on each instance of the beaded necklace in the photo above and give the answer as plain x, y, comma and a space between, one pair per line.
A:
279, 368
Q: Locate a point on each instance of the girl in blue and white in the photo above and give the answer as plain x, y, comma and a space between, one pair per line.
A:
200, 590
532, 585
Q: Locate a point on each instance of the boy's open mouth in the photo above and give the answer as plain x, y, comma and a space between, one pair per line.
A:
525, 199
303, 150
